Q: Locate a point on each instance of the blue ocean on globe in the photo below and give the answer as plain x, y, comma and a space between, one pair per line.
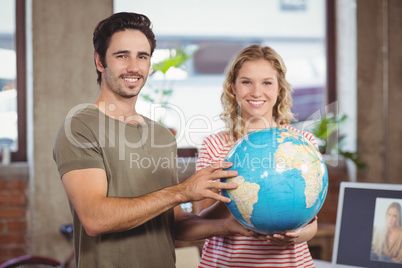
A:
282, 180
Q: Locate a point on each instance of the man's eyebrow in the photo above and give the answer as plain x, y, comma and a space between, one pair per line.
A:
128, 52
142, 53
121, 52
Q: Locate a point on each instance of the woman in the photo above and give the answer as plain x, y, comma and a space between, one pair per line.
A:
255, 96
387, 242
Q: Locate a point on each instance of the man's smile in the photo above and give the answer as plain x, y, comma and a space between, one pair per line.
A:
130, 79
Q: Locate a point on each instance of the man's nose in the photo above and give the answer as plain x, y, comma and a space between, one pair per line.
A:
132, 65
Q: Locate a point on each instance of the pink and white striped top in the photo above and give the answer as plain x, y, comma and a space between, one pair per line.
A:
240, 251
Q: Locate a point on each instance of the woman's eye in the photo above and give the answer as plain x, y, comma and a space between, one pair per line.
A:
267, 83
246, 82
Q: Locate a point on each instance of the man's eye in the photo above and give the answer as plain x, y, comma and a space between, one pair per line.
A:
121, 56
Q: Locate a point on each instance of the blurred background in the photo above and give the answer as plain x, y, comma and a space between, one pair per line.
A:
343, 57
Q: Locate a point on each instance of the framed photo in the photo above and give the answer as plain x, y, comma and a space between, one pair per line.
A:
368, 228
387, 231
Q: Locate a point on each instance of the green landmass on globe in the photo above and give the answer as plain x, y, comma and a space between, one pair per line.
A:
282, 180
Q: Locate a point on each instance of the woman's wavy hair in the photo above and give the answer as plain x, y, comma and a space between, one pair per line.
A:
116, 23
397, 206
231, 111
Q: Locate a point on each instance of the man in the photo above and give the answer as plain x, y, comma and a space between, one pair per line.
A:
123, 192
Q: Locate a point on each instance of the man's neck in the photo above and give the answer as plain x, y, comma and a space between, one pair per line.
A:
119, 108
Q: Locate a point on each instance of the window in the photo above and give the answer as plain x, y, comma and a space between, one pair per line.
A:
295, 29
12, 79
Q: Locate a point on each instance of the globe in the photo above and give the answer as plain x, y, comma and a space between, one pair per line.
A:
282, 180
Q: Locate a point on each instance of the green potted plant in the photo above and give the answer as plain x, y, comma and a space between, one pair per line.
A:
326, 130
162, 93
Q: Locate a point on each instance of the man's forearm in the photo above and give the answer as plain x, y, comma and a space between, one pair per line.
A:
114, 214
194, 227
100, 214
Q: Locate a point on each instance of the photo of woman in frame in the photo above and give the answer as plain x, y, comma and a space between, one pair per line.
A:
387, 231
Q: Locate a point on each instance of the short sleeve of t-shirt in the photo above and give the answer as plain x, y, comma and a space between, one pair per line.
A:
76, 147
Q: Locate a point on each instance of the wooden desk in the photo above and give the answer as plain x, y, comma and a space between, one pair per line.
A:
322, 243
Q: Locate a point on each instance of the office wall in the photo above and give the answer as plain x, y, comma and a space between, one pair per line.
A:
63, 76
379, 92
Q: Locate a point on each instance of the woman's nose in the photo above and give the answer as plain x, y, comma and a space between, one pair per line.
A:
256, 91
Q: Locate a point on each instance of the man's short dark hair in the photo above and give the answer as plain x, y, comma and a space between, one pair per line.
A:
116, 23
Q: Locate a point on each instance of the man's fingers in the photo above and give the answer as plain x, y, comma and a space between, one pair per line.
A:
224, 174
220, 165
210, 173
220, 198
204, 183
223, 185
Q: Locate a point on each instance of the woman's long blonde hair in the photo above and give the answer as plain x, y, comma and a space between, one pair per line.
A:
231, 111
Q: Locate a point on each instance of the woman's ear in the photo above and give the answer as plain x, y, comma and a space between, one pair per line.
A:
232, 85
98, 63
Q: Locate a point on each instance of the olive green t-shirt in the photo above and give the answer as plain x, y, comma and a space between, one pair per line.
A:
137, 159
